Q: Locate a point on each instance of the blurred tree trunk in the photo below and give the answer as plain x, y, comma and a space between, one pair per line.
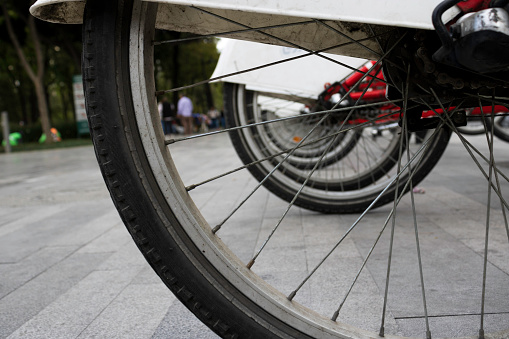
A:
208, 91
175, 74
36, 76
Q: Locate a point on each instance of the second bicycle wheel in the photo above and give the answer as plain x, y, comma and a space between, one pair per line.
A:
501, 127
336, 172
226, 267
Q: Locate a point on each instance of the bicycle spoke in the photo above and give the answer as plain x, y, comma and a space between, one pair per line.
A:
374, 66
497, 180
218, 226
261, 31
251, 263
225, 76
369, 156
289, 43
418, 246
389, 217
391, 243
363, 214
488, 210
305, 144
312, 114
364, 155
222, 34
469, 147
321, 22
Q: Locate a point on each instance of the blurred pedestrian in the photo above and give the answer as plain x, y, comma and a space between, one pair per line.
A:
185, 113
167, 113
214, 116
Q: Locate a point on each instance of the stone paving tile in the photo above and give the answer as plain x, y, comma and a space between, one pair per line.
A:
462, 326
111, 240
146, 276
126, 256
448, 263
97, 220
10, 214
72, 312
17, 274
135, 313
28, 300
180, 323
35, 215
54, 230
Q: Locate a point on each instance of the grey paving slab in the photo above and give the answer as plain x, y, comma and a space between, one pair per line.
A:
98, 219
17, 274
135, 313
180, 323
56, 230
124, 257
56, 176
10, 214
457, 327
111, 240
73, 311
36, 214
25, 302
146, 276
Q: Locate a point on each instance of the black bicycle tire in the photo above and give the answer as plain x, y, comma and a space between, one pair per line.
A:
497, 130
183, 268
467, 131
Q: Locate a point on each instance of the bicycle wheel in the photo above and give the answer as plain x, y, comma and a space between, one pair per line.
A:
206, 267
285, 136
501, 127
474, 126
344, 175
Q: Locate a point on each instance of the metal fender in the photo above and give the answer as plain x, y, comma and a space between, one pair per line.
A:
215, 16
286, 78
59, 11
404, 13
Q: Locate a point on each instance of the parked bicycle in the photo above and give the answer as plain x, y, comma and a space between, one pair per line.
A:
457, 63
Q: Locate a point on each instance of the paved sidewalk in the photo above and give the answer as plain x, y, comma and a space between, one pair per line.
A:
68, 268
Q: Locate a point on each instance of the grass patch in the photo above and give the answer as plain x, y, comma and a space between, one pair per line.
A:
37, 147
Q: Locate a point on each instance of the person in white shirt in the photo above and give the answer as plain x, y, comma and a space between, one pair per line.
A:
185, 113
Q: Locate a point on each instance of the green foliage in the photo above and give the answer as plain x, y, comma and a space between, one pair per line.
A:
29, 133
186, 63
176, 65
61, 47
35, 146
15, 86
32, 133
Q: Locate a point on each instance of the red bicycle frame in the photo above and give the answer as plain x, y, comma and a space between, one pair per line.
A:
373, 89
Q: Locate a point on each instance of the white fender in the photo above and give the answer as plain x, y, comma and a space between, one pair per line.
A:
304, 76
208, 17
404, 13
